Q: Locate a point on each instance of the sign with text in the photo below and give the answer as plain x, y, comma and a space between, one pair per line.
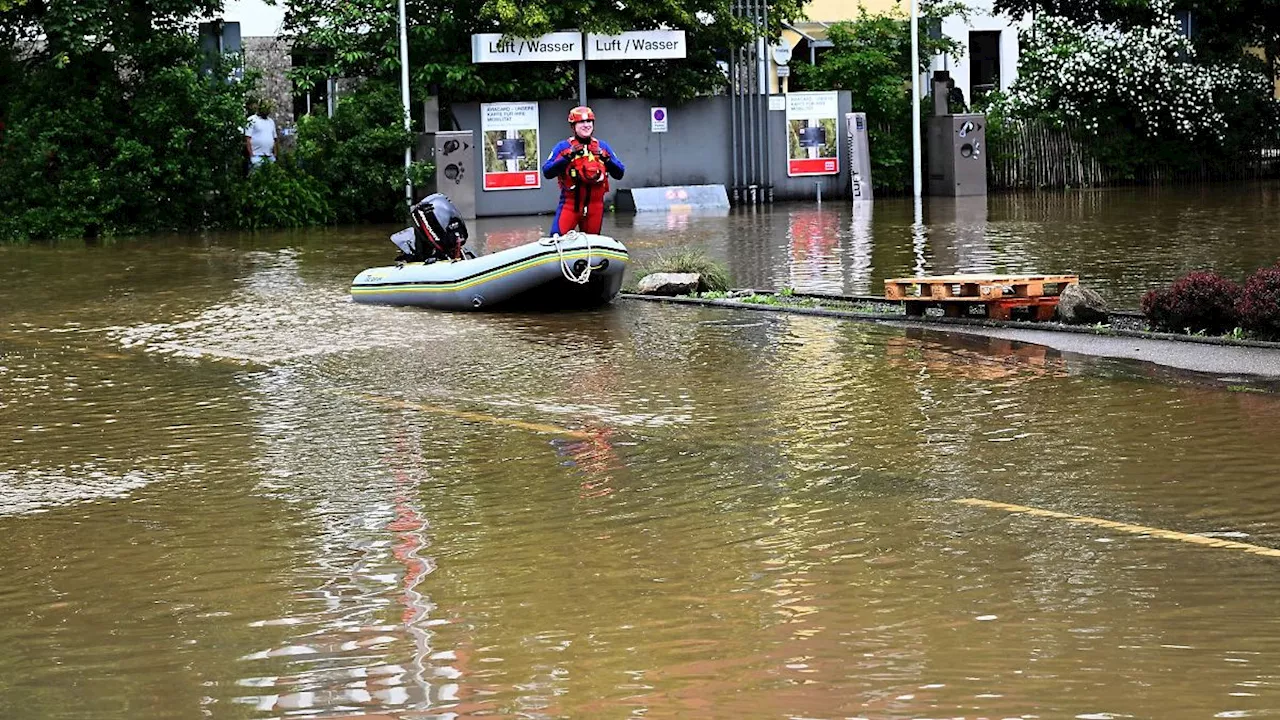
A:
509, 134
781, 53
552, 47
657, 119
637, 45
813, 145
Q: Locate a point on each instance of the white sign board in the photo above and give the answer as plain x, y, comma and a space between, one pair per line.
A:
637, 45
813, 143
552, 47
784, 71
657, 119
509, 136
781, 53
778, 102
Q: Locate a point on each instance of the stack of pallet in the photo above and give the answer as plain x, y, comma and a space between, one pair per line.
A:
1001, 297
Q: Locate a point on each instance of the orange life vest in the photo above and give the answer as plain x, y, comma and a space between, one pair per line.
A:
585, 170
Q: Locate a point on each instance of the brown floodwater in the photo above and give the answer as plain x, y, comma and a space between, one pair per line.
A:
226, 491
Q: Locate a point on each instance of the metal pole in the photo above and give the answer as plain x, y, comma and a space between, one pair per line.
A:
753, 72
916, 179
745, 88
733, 118
404, 99
762, 110
758, 45
768, 123
582, 80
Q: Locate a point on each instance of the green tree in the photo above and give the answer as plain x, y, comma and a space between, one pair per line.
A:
871, 58
358, 154
1221, 29
360, 38
1143, 94
109, 125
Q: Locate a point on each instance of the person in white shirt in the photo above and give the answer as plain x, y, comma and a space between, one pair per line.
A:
260, 136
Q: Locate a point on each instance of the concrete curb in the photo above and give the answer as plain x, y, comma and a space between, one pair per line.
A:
942, 323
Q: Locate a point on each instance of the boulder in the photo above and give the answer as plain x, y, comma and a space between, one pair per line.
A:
670, 284
1081, 306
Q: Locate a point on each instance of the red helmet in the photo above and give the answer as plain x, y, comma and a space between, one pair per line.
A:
581, 113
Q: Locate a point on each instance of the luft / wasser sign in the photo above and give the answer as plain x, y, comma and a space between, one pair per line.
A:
552, 47
569, 45
639, 45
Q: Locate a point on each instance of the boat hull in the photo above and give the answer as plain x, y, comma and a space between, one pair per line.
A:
528, 276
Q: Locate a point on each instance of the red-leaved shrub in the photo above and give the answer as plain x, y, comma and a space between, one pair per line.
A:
1196, 302
1259, 304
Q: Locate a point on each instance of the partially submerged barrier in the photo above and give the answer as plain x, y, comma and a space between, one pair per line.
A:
673, 198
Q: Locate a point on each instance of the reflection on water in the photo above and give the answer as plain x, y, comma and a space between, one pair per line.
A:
225, 490
1121, 242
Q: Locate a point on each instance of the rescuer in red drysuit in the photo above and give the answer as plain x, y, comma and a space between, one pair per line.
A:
582, 164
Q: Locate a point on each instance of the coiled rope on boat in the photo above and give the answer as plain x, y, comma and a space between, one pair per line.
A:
579, 278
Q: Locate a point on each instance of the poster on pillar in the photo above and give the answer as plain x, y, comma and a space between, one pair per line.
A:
813, 145
509, 134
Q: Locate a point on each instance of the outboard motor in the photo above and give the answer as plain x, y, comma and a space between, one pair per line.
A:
438, 232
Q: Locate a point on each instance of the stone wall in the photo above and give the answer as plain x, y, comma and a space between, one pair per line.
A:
272, 57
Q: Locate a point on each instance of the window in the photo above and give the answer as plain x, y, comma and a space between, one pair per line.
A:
984, 63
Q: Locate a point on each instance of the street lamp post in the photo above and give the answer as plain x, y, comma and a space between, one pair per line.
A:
916, 180
918, 237
404, 99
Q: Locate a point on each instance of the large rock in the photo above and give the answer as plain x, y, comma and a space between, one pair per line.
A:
670, 284
1081, 306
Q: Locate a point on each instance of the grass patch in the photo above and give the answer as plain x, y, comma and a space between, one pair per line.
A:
715, 275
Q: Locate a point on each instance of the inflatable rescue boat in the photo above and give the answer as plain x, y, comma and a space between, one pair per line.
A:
576, 270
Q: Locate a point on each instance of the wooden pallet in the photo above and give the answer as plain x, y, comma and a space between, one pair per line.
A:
1000, 297
970, 288
1037, 309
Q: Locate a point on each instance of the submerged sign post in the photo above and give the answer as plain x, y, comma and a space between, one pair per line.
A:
813, 147
509, 136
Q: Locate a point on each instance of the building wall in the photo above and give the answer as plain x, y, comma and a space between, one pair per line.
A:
981, 19
694, 151
833, 10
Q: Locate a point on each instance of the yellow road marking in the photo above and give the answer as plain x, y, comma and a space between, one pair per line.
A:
474, 416
1124, 527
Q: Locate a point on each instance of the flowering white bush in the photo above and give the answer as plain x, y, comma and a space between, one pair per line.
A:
1146, 79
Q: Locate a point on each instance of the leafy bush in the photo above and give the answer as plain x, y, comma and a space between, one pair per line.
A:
280, 195
358, 154
1259, 304
1197, 302
95, 146
1142, 93
715, 276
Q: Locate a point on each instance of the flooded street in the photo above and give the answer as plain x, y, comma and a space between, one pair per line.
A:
227, 491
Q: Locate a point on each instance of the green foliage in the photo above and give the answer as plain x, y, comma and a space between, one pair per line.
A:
111, 138
358, 154
1142, 96
361, 39
1222, 30
715, 276
871, 57
279, 195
